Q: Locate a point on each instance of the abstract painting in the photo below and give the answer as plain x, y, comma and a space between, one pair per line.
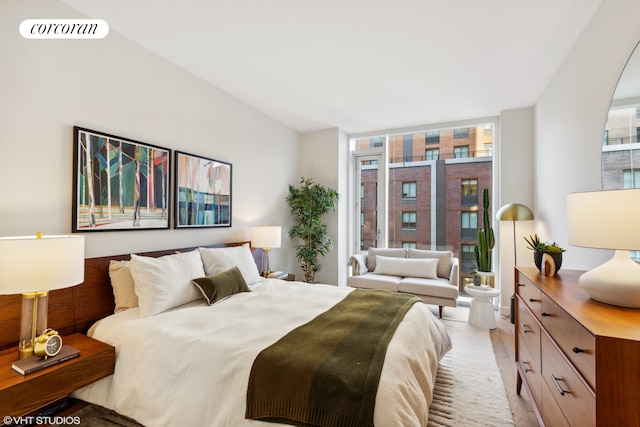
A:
118, 183
203, 192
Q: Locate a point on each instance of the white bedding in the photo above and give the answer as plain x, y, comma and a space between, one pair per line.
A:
190, 366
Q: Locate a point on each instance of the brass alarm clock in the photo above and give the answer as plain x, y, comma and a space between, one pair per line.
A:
48, 344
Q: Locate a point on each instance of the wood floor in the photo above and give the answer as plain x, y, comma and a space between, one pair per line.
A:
502, 339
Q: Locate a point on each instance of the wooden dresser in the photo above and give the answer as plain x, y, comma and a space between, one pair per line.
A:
578, 359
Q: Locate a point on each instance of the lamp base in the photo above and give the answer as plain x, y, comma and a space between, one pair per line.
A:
616, 282
33, 320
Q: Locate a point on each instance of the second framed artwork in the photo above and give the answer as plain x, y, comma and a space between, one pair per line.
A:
202, 192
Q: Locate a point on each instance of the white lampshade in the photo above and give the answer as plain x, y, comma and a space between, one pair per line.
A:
32, 264
266, 237
608, 220
605, 219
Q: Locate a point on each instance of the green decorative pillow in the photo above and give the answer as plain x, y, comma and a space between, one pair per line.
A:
221, 285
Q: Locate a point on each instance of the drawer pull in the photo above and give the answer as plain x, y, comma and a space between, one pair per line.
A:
577, 350
533, 300
556, 381
545, 315
526, 367
525, 328
520, 284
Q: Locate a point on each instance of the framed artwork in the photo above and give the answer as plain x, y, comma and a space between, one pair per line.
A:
203, 192
119, 184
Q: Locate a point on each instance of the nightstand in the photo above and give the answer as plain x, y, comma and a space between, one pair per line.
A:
21, 394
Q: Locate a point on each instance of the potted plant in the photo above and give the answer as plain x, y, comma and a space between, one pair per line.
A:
308, 204
486, 242
540, 248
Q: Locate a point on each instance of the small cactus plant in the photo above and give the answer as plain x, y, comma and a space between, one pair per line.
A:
486, 239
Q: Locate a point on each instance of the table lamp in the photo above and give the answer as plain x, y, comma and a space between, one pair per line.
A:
33, 266
266, 238
608, 220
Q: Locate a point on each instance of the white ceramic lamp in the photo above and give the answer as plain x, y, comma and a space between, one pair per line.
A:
266, 238
33, 266
608, 220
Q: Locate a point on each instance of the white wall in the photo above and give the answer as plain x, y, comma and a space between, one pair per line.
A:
115, 86
514, 185
570, 119
324, 157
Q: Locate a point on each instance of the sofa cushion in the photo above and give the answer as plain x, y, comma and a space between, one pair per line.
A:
373, 252
375, 281
445, 258
432, 287
405, 267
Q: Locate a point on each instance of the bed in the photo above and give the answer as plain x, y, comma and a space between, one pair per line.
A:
187, 359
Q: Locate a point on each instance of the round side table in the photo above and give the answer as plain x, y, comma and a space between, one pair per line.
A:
481, 313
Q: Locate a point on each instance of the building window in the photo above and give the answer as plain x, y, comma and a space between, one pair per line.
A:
432, 154
461, 133
467, 261
409, 245
376, 142
488, 150
409, 220
631, 178
361, 191
469, 192
432, 137
461, 152
409, 190
469, 225
488, 130
407, 147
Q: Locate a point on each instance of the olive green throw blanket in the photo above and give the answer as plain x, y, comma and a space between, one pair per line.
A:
326, 372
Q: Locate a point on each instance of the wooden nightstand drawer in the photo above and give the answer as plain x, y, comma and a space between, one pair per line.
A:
21, 394
528, 331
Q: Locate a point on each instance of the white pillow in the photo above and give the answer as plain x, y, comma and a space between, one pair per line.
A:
219, 260
124, 290
406, 267
165, 282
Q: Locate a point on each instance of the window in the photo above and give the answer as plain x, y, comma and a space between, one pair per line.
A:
407, 148
432, 137
631, 178
488, 150
377, 141
361, 191
461, 133
409, 245
409, 220
461, 152
432, 154
409, 190
469, 192
395, 215
467, 260
469, 225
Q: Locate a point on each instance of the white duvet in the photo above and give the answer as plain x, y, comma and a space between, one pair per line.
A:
190, 366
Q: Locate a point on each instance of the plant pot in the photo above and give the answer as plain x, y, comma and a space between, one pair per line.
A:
487, 278
557, 259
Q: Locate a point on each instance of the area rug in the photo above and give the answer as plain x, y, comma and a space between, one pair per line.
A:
469, 390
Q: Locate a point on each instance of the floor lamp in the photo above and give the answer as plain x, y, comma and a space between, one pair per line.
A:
514, 212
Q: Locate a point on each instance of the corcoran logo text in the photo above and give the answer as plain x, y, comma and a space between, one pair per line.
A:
64, 29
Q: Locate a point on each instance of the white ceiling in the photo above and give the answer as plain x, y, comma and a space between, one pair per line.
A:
359, 65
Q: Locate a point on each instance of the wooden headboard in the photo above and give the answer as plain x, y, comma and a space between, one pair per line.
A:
75, 309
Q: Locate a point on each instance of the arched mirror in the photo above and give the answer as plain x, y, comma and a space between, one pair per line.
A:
621, 144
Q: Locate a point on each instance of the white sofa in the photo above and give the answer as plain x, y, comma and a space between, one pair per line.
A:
431, 275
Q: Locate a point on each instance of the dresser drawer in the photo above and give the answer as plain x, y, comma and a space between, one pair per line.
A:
530, 294
530, 368
551, 413
528, 330
575, 399
578, 344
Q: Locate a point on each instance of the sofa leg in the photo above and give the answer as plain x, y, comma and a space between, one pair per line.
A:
440, 310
